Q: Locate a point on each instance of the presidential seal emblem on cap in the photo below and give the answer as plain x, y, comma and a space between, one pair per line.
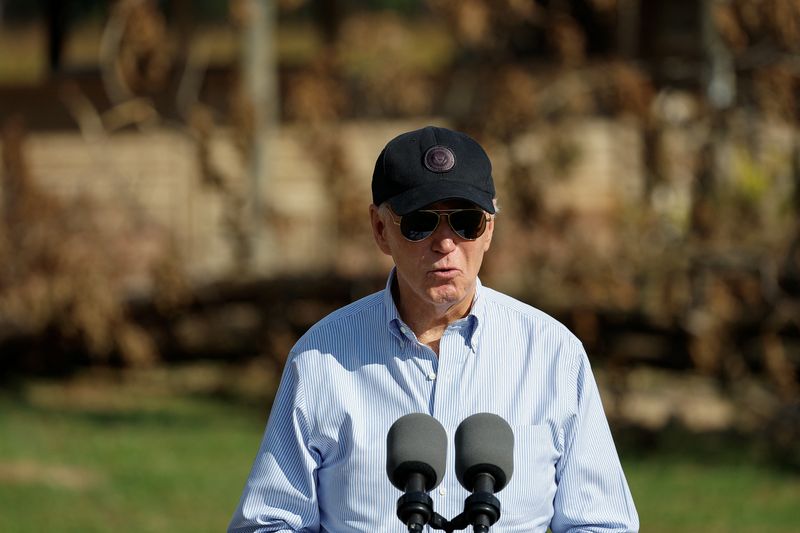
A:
439, 159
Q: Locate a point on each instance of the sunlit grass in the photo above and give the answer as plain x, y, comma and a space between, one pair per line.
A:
176, 464
690, 494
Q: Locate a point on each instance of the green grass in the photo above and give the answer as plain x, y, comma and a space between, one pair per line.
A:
112, 458
714, 482
693, 495
177, 467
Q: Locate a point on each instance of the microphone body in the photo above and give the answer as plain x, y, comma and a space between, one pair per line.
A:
416, 457
416, 453
484, 465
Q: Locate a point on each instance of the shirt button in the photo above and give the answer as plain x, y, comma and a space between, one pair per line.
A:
442, 491
431, 376
404, 330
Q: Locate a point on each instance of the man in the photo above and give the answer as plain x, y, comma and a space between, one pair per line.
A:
434, 341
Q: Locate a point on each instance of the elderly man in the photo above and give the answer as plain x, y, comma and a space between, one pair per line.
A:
434, 341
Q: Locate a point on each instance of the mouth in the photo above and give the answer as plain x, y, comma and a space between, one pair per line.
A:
444, 273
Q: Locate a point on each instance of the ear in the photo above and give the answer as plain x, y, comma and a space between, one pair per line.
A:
488, 234
379, 229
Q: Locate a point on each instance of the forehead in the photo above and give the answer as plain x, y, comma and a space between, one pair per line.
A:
452, 203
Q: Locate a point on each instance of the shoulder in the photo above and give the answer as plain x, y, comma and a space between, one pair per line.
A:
344, 325
502, 308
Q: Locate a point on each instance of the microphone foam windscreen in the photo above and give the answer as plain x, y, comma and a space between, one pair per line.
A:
484, 444
416, 443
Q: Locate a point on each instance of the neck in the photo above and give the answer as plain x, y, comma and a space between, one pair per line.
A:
429, 321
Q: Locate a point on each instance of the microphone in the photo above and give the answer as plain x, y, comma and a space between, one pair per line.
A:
484, 465
416, 454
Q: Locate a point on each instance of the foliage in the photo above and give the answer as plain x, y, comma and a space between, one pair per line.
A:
701, 244
712, 274
66, 269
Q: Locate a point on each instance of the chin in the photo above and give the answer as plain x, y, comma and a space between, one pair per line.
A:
443, 295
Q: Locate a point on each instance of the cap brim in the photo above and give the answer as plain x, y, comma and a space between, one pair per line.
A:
424, 195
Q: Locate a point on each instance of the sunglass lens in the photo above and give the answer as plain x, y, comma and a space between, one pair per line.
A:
418, 225
468, 223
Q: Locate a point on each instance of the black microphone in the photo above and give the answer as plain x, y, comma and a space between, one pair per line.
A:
484, 465
416, 457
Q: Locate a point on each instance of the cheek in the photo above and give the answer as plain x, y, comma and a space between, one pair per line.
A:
405, 257
475, 258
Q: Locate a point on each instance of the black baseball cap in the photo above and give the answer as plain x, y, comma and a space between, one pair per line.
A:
425, 166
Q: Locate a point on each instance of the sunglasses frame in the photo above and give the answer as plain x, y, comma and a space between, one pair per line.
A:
439, 214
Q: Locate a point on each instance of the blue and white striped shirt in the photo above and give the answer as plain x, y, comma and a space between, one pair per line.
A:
322, 462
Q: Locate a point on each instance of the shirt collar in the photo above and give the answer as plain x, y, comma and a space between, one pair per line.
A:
471, 322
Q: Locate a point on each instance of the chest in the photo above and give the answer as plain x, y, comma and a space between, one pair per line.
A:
356, 413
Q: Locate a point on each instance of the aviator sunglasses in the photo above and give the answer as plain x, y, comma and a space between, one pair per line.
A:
469, 224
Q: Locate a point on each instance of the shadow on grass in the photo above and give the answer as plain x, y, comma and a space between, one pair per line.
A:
676, 443
192, 411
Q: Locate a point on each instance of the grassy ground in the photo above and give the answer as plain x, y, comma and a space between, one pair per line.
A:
126, 461
690, 494
115, 457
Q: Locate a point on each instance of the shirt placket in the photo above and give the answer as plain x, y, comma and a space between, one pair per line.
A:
448, 397
421, 368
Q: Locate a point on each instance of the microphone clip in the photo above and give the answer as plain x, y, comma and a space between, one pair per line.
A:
481, 510
415, 509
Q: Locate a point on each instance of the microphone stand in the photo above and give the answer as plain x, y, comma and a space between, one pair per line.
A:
481, 508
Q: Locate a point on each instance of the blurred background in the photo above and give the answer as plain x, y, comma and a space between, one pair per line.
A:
184, 190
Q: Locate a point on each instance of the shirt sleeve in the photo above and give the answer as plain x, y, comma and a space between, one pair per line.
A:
281, 494
592, 494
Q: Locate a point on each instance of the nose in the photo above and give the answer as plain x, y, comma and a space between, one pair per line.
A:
444, 238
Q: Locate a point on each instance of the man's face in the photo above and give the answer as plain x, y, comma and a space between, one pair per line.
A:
437, 272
